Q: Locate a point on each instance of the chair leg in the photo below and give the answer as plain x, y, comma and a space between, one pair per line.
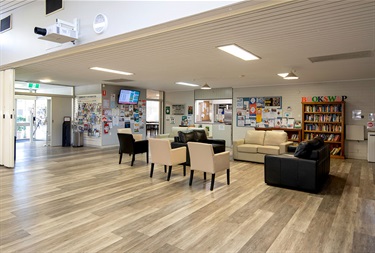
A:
147, 156
228, 176
169, 173
165, 168
191, 177
119, 162
184, 169
133, 158
212, 182
204, 176
152, 169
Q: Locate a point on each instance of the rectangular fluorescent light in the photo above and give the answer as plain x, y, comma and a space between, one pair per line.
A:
283, 75
45, 80
238, 52
187, 84
112, 71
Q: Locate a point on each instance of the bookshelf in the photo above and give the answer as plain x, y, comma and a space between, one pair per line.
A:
325, 119
294, 134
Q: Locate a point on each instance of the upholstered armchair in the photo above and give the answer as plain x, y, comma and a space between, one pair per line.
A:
162, 153
129, 145
203, 158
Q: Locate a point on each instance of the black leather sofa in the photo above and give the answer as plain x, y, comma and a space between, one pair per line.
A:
307, 174
197, 136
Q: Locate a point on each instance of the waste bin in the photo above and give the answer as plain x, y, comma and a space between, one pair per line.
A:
77, 139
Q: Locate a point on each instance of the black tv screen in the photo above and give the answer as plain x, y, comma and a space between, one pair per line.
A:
128, 97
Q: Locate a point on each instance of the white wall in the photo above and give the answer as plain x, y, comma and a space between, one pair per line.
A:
88, 89
361, 95
177, 98
123, 17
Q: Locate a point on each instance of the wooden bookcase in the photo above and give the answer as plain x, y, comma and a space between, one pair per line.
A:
294, 134
326, 119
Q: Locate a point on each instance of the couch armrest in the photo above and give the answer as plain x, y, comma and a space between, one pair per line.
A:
236, 143
284, 146
215, 141
176, 144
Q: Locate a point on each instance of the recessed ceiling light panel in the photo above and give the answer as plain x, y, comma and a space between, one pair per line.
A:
187, 84
239, 52
45, 80
282, 74
112, 71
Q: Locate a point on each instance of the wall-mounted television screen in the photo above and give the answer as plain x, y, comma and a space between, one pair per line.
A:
129, 97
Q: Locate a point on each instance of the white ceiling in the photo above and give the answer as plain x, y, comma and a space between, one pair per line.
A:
283, 35
9, 5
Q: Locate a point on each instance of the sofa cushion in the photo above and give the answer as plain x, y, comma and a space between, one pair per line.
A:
185, 137
305, 148
275, 138
254, 137
271, 150
248, 148
200, 135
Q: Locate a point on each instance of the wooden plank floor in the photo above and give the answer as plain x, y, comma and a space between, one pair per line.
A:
81, 200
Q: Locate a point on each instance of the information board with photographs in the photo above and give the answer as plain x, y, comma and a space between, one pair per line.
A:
259, 112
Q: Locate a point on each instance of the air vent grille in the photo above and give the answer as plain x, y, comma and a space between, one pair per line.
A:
345, 56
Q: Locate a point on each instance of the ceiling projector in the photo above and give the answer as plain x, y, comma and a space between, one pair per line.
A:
60, 32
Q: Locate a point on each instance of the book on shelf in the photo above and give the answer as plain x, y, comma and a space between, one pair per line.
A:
336, 138
336, 151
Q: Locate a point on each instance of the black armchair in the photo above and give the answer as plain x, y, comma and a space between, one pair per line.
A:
130, 146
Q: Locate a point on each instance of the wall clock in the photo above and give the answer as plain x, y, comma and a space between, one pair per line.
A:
100, 23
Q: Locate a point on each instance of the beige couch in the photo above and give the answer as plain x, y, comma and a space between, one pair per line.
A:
257, 144
175, 130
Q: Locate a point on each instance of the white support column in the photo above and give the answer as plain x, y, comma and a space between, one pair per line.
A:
8, 120
2, 115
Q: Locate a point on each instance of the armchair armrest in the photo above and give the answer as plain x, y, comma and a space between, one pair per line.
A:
178, 155
141, 144
284, 146
137, 137
221, 160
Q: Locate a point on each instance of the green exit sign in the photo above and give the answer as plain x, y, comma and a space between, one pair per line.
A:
34, 85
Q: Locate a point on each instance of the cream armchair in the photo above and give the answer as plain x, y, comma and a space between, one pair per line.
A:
162, 153
202, 158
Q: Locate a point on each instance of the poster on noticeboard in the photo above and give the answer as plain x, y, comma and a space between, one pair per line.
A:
259, 111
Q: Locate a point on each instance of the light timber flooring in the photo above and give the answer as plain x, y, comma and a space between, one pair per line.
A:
65, 199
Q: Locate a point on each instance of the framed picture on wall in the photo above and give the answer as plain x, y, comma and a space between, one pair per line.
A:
178, 109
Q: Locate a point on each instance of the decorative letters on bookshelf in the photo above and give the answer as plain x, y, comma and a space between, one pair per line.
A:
327, 120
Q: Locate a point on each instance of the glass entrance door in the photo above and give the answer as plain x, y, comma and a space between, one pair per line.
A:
31, 118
